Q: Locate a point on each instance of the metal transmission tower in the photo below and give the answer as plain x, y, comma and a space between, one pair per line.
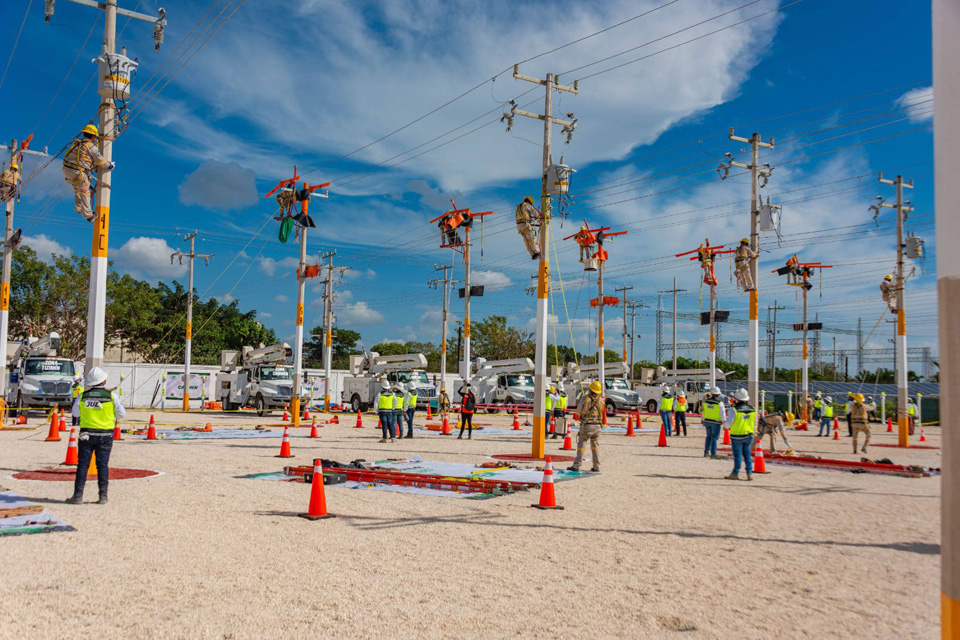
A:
660, 313
859, 345
757, 173
772, 340
328, 324
116, 72
902, 208
446, 282
674, 291
550, 85
624, 290
11, 239
179, 255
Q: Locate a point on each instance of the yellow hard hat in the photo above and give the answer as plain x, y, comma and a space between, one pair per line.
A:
528, 199
582, 228
744, 240
444, 389
14, 166
859, 397
888, 277
91, 129
553, 389
595, 387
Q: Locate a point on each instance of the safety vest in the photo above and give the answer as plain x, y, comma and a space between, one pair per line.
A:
745, 422
78, 156
549, 403
681, 404
711, 411
386, 402
911, 409
563, 401
96, 410
828, 411
818, 404
397, 402
666, 403
76, 390
413, 401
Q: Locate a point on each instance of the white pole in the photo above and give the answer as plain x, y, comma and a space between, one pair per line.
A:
186, 360
543, 285
298, 329
465, 365
328, 337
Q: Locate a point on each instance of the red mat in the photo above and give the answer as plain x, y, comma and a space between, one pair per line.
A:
65, 474
526, 457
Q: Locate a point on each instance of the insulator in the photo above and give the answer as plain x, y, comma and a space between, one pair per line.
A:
158, 28
48, 10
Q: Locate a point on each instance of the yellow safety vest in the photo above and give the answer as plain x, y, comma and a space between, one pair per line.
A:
818, 404
563, 401
666, 404
681, 404
96, 410
76, 390
828, 411
549, 403
911, 410
386, 402
413, 401
745, 422
711, 411
397, 401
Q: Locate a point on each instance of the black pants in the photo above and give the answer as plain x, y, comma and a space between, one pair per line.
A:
849, 426
89, 445
680, 417
465, 419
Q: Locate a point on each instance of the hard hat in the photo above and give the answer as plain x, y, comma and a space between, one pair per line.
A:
819, 395
859, 397
91, 129
741, 395
583, 228
911, 400
398, 387
888, 277
828, 399
560, 387
553, 389
14, 166
473, 389
528, 199
744, 240
595, 387
443, 389
385, 385
715, 391
96, 377
681, 394
666, 391
411, 386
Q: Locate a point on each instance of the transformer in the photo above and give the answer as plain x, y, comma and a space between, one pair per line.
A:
770, 216
115, 70
558, 178
914, 247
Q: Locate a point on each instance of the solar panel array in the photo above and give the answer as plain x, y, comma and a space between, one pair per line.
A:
929, 389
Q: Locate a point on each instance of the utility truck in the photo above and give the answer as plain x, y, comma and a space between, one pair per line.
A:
369, 371
694, 382
503, 382
38, 378
619, 396
258, 378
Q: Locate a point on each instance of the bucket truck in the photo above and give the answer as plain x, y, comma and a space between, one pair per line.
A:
694, 382
38, 378
503, 382
619, 396
258, 378
368, 371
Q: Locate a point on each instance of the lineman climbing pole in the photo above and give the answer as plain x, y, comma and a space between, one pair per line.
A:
186, 359
624, 290
757, 173
550, 85
115, 72
328, 325
902, 208
446, 282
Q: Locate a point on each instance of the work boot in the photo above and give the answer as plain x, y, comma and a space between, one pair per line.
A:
103, 499
460, 437
382, 440
392, 440
864, 450
595, 470
733, 476
749, 476
74, 500
535, 256
91, 217
577, 469
469, 436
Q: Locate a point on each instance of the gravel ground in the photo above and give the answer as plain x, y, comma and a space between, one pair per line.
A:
657, 546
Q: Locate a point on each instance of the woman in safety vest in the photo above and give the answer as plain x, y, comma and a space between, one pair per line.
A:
714, 415
666, 408
741, 434
680, 412
826, 416
468, 404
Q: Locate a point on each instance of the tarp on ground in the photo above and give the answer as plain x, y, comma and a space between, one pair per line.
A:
42, 522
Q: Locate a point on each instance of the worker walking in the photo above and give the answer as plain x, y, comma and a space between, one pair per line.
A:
385, 402
79, 162
98, 410
397, 430
665, 409
468, 405
858, 416
741, 260
410, 406
443, 402
527, 215
9, 182
826, 416
741, 434
714, 415
680, 412
591, 408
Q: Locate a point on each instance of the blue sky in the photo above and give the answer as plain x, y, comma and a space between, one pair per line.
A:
840, 86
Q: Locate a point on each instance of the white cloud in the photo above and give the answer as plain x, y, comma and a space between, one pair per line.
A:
918, 104
264, 314
149, 256
219, 185
353, 274
493, 279
225, 298
270, 266
357, 314
45, 247
281, 298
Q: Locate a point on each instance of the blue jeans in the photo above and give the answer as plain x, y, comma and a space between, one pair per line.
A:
824, 423
665, 416
410, 413
713, 434
89, 445
741, 453
386, 423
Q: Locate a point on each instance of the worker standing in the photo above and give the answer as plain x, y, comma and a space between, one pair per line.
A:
665, 409
591, 409
741, 260
680, 412
468, 405
98, 410
560, 411
80, 160
527, 215
443, 401
75, 390
550, 405
714, 415
741, 434
410, 406
826, 415
912, 415
858, 416
847, 409
397, 430
585, 239
808, 405
817, 407
385, 401
9, 182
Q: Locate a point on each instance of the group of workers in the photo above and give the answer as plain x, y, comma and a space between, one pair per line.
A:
394, 404
674, 408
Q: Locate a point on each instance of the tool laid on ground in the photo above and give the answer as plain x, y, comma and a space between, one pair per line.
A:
862, 466
404, 479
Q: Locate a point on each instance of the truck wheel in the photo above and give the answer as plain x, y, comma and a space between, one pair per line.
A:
509, 404
355, 403
611, 408
260, 405
651, 406
492, 409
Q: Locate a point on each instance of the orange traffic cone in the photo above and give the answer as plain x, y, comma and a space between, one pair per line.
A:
429, 412
54, 434
333, 420
836, 429
759, 466
553, 425
726, 435
567, 442
285, 444
116, 433
605, 417
923, 438
889, 425
313, 429
21, 419
663, 436
151, 430
630, 426
306, 413
63, 424
318, 499
516, 420
71, 458
285, 416
359, 421
548, 498
446, 426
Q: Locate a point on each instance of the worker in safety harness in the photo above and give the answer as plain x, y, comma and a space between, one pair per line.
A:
527, 215
443, 401
9, 182
586, 240
858, 415
98, 410
889, 292
741, 260
591, 408
75, 390
707, 256
79, 162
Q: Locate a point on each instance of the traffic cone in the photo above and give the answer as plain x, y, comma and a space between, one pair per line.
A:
116, 433
286, 418
71, 458
516, 421
836, 429
605, 416
759, 465
63, 424
333, 420
446, 426
306, 414
429, 412
318, 499
553, 425
548, 498
726, 435
21, 419
923, 438
313, 429
889, 425
92, 471
359, 421
151, 430
630, 426
54, 434
285, 444
567, 442
663, 436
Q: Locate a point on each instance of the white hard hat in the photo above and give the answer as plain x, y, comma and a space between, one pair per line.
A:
741, 395
828, 399
411, 386
473, 389
96, 377
398, 387
560, 387
715, 391
681, 394
385, 385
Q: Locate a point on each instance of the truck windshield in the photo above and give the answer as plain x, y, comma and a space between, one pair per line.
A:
617, 383
44, 367
275, 372
701, 387
419, 377
520, 381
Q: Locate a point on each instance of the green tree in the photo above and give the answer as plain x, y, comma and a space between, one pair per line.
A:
494, 340
343, 344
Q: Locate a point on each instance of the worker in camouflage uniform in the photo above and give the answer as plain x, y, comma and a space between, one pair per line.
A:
741, 260
79, 162
591, 408
859, 418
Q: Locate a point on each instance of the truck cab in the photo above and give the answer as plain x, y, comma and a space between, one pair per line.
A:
258, 378
38, 378
426, 391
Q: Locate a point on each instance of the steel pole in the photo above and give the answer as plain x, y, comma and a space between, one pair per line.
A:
753, 330
465, 365
298, 329
186, 359
543, 279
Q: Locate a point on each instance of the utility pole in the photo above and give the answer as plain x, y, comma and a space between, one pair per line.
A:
446, 282
633, 305
624, 290
757, 173
189, 339
550, 84
946, 133
674, 291
902, 208
328, 326
773, 340
115, 74
10, 241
